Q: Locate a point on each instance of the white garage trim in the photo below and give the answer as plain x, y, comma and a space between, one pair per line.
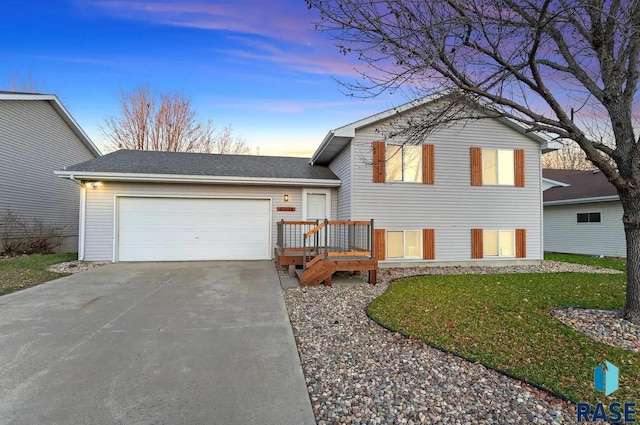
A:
116, 213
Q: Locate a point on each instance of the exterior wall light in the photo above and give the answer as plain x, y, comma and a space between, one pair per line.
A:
93, 185
286, 197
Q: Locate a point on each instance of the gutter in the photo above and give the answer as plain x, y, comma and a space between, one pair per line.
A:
178, 178
583, 200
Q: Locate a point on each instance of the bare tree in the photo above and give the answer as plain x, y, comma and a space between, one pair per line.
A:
25, 85
166, 122
535, 62
570, 157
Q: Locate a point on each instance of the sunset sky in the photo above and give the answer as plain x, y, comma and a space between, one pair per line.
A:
257, 65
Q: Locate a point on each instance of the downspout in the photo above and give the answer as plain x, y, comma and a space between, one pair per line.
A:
82, 217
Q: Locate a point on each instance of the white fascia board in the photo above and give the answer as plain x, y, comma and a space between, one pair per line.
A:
555, 182
583, 200
26, 96
325, 142
178, 178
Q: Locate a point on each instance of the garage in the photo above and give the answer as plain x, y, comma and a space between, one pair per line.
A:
192, 229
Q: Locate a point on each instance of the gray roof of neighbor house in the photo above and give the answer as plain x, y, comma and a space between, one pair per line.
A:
201, 164
582, 185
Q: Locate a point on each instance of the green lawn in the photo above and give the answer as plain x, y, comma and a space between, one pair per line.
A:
503, 321
26, 271
608, 263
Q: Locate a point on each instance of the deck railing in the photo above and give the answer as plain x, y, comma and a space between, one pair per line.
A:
291, 233
338, 238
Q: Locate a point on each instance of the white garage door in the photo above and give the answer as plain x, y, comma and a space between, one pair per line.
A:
184, 229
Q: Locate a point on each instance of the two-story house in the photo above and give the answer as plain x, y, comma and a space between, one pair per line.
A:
37, 136
469, 194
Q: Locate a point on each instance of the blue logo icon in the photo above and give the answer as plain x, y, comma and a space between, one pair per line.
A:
605, 378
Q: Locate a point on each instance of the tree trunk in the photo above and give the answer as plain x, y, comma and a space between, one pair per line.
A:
631, 220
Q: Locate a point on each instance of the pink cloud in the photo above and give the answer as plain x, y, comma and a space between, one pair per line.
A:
288, 106
289, 21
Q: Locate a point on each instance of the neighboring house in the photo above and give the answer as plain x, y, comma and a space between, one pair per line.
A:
471, 194
582, 214
38, 136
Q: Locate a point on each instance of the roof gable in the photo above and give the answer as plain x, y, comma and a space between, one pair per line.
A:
60, 109
337, 139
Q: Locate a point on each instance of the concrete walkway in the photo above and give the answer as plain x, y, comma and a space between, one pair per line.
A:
152, 343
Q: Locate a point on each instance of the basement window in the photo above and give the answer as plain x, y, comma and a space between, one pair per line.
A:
593, 217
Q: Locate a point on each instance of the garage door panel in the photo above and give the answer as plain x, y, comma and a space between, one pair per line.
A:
175, 229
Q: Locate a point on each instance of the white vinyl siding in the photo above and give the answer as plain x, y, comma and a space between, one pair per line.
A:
35, 142
451, 206
562, 232
341, 167
100, 207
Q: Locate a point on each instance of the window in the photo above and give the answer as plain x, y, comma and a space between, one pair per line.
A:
404, 163
594, 217
498, 167
499, 243
404, 244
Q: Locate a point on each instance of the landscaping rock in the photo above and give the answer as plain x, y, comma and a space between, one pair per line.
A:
71, 267
360, 373
605, 326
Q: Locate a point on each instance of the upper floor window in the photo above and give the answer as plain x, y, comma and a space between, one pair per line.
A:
594, 217
404, 163
503, 167
498, 167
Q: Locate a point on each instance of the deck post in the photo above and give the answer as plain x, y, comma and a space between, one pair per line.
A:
304, 252
326, 238
371, 242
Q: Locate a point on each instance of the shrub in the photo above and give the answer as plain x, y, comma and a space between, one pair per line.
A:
21, 236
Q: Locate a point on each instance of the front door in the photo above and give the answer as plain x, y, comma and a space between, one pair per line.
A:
316, 209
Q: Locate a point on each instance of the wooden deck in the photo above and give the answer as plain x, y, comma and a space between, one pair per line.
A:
314, 251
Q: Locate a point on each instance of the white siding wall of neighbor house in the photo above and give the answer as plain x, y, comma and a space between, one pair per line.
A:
341, 167
562, 232
36, 141
452, 206
100, 208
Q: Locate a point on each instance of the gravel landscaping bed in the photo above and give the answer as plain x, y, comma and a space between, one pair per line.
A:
604, 326
386, 275
74, 266
358, 372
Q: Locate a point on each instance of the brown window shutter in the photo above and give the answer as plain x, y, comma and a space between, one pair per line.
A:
380, 244
428, 163
379, 162
476, 167
518, 159
521, 243
476, 243
428, 244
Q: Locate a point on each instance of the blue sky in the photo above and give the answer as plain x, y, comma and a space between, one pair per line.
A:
254, 64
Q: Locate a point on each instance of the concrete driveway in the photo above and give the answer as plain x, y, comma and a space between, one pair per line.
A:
152, 343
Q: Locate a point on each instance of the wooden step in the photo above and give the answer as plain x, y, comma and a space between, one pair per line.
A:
318, 273
322, 271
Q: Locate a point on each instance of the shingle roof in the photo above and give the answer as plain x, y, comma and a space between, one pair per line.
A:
201, 164
584, 184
